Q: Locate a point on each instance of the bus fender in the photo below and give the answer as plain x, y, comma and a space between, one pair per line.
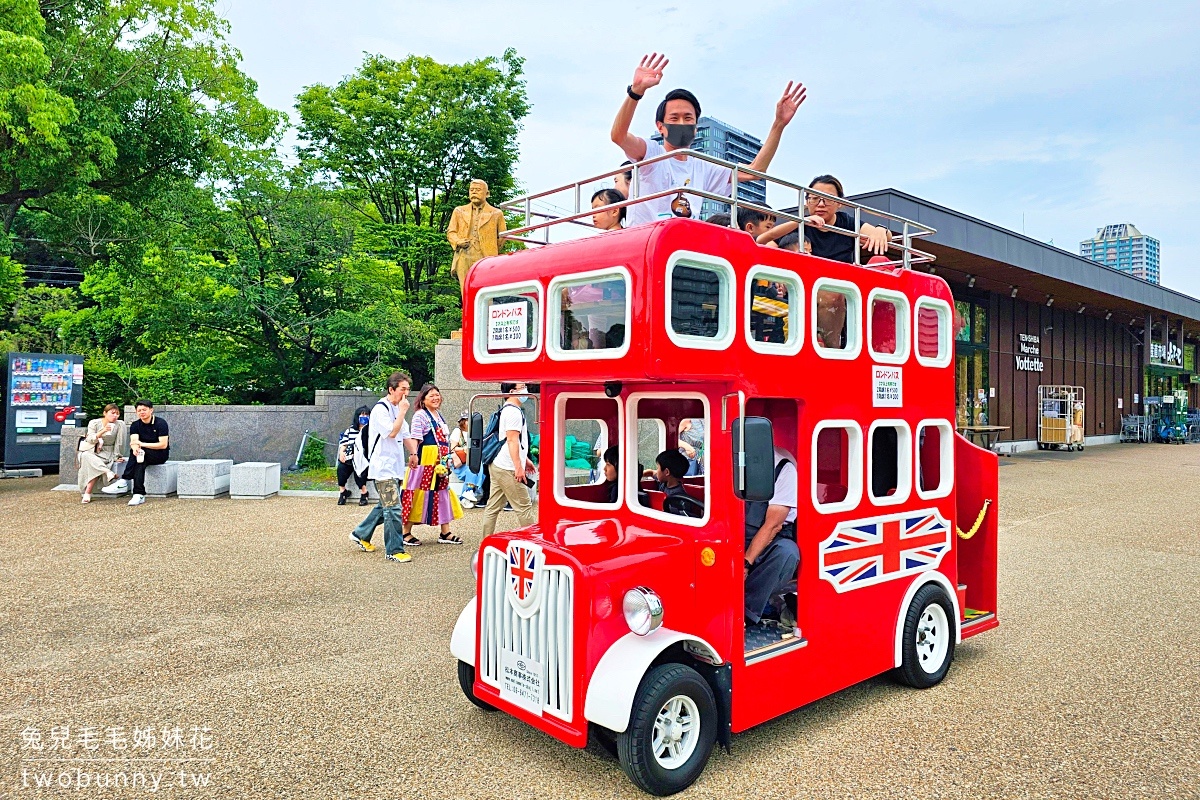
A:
462, 641
620, 671
921, 580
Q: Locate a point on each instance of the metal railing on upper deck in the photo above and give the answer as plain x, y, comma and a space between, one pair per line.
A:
541, 220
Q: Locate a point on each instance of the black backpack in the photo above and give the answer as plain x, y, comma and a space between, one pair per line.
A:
491, 443
364, 436
489, 448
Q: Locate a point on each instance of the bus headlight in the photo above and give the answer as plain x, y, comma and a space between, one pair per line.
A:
475, 565
643, 610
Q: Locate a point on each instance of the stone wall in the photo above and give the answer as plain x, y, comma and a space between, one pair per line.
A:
259, 433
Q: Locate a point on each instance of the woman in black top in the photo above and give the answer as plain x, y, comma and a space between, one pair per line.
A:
821, 212
349, 462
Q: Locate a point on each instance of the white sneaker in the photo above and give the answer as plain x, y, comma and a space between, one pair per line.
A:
137, 499
466, 502
120, 487
469, 496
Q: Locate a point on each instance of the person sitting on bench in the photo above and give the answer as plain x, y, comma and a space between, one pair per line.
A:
148, 445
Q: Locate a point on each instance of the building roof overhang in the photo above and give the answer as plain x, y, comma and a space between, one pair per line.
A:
1000, 259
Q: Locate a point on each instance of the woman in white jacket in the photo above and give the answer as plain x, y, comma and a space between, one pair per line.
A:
107, 437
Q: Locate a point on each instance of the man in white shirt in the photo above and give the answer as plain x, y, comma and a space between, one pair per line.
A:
771, 553
676, 120
508, 469
387, 432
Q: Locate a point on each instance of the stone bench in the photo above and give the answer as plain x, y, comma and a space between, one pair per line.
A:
162, 480
204, 478
254, 480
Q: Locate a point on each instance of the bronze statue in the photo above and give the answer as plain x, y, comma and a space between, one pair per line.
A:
474, 232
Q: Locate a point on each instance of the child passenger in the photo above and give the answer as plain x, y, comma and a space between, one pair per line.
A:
672, 465
612, 462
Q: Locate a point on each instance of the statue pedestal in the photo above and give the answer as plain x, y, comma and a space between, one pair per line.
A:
456, 390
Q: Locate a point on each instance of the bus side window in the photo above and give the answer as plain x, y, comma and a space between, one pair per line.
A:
837, 466
933, 319
934, 462
774, 311
837, 319
887, 326
890, 469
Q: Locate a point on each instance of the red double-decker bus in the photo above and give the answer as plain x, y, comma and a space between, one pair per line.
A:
624, 619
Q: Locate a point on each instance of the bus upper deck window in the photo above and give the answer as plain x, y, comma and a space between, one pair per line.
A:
933, 332
836, 319
774, 311
887, 326
699, 301
592, 314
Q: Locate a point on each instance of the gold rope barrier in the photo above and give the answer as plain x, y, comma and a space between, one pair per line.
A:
978, 521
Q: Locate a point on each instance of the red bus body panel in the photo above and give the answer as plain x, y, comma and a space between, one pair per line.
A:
851, 635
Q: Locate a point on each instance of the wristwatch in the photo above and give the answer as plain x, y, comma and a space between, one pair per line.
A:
632, 94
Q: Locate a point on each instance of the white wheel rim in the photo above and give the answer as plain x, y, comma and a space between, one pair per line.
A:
932, 638
676, 732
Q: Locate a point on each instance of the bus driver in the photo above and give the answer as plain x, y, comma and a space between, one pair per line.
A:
771, 553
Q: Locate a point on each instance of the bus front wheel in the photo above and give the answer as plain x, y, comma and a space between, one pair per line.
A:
928, 644
466, 682
671, 732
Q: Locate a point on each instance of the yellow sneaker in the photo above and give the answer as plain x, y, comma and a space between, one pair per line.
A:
367, 546
400, 558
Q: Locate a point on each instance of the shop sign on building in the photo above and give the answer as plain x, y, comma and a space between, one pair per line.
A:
1166, 354
1029, 357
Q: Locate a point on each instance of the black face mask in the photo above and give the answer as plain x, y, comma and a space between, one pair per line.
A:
680, 135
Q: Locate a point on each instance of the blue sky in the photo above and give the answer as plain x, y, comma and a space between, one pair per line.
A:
1056, 118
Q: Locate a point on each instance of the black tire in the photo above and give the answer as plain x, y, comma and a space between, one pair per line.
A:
661, 687
921, 665
466, 682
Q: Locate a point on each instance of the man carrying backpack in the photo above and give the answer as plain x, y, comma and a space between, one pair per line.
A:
507, 472
383, 445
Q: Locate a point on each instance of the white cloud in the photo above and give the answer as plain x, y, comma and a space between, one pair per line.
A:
1075, 114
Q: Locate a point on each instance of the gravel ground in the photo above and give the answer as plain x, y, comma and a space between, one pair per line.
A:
320, 671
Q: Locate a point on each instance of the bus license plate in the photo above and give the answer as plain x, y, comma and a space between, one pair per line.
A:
521, 682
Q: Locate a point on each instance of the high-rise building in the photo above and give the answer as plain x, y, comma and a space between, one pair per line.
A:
1124, 247
729, 144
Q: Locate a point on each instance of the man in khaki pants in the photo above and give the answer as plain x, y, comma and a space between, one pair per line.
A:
508, 468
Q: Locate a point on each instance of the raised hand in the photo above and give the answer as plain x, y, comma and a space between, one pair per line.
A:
650, 72
790, 103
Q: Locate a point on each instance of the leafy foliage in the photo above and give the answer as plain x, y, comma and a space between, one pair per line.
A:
133, 149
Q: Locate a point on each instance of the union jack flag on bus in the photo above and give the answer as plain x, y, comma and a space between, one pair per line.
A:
870, 551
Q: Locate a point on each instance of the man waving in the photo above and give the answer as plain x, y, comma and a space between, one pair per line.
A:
676, 120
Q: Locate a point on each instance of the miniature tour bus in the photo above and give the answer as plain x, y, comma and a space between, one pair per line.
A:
624, 620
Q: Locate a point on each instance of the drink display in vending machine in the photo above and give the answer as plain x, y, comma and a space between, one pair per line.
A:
43, 393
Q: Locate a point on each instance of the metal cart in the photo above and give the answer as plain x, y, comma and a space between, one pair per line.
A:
1060, 417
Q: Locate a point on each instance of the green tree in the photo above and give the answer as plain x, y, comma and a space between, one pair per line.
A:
103, 103
405, 138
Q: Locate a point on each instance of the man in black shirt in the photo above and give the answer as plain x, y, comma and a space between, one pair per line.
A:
149, 444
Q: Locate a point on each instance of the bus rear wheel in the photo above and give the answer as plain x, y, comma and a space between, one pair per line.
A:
466, 682
928, 638
671, 732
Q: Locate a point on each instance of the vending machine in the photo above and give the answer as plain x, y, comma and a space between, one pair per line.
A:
43, 393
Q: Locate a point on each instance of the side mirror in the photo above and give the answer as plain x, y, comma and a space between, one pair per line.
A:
475, 455
757, 452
